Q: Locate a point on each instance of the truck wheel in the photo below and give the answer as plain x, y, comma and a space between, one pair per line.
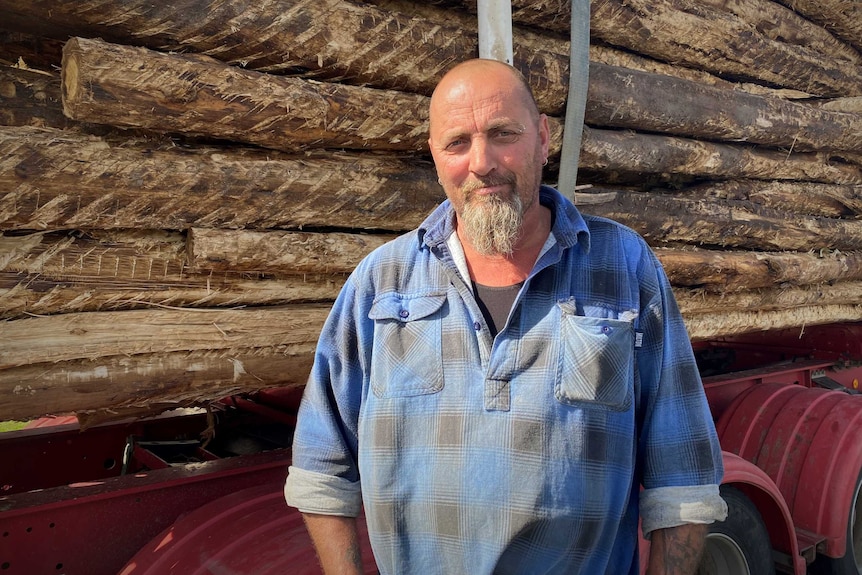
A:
851, 563
739, 545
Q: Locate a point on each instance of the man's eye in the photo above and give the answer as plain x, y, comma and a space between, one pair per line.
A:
507, 135
455, 144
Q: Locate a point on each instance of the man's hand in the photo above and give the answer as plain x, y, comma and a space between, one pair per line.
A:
336, 543
677, 550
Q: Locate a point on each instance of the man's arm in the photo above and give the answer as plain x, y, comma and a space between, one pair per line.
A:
676, 550
336, 542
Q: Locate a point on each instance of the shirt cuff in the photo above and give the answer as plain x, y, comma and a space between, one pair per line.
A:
665, 507
312, 492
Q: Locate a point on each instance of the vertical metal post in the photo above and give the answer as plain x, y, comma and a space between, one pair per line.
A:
579, 76
495, 30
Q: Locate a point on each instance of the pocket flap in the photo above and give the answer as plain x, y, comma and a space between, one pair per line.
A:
405, 307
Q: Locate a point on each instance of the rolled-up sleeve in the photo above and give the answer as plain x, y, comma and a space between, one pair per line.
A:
312, 492
679, 452
324, 475
666, 507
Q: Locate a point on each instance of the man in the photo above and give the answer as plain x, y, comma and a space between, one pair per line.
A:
498, 385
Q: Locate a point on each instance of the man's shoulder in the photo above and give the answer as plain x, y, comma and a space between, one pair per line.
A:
399, 250
575, 221
414, 244
602, 228
402, 264
601, 223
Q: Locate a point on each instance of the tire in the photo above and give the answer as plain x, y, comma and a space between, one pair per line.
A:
851, 562
740, 544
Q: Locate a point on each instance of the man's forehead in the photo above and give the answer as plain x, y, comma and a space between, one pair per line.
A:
480, 109
493, 85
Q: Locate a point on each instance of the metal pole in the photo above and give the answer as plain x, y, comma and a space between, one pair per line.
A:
495, 30
579, 76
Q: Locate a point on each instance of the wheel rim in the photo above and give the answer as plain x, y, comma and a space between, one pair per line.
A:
723, 556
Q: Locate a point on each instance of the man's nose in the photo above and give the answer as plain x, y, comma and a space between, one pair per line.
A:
482, 160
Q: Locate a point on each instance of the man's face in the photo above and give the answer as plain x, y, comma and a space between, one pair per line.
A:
488, 149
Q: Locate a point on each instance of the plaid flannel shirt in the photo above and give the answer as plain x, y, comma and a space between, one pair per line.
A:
533, 452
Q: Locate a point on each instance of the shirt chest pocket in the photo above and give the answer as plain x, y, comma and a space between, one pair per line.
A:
407, 358
597, 363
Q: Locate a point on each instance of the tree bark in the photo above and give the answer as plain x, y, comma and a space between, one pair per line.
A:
617, 155
60, 273
127, 333
724, 271
297, 36
181, 112
280, 252
842, 17
125, 257
783, 25
49, 273
124, 86
711, 325
713, 270
663, 218
703, 37
124, 385
622, 98
692, 302
198, 96
824, 200
57, 179
333, 40
853, 105
528, 44
700, 37
53, 179
328, 39
611, 56
674, 32
23, 295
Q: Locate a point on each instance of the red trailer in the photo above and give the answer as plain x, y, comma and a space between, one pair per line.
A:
202, 492
787, 408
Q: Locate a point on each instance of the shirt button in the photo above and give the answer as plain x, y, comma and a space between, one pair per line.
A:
404, 313
606, 329
477, 326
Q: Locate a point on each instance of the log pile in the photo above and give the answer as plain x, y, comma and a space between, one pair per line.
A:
184, 186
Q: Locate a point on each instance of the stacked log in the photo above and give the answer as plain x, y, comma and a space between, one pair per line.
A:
181, 203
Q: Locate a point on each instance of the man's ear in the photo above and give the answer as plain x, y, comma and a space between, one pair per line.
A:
544, 135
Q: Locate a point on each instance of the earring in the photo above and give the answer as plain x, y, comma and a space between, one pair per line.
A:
545, 163
439, 181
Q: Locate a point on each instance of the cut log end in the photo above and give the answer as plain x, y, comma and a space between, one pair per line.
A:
69, 77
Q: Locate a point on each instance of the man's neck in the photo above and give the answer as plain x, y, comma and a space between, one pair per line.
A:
503, 270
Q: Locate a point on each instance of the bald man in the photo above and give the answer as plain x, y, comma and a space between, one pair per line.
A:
510, 387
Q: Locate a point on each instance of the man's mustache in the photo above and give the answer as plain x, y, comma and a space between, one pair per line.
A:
473, 185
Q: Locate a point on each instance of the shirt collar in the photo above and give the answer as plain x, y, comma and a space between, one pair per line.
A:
457, 252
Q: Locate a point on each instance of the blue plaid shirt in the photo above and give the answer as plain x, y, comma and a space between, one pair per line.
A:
524, 453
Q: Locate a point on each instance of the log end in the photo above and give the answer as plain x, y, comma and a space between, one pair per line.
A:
69, 77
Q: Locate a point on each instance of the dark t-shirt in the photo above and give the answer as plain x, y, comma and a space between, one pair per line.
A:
496, 303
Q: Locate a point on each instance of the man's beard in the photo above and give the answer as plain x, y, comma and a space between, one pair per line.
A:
492, 222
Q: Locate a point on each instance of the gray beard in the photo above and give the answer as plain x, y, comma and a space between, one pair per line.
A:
493, 223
